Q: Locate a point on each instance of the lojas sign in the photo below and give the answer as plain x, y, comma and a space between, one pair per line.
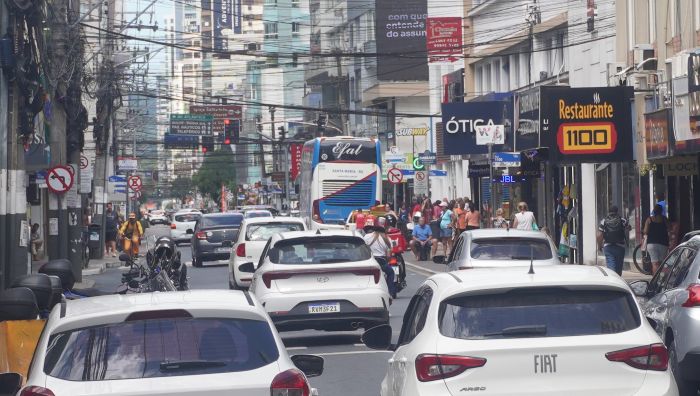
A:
460, 121
657, 131
587, 125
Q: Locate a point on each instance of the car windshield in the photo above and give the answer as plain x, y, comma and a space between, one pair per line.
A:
219, 221
336, 249
187, 217
538, 312
510, 249
160, 348
263, 231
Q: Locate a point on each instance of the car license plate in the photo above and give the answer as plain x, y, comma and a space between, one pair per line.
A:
222, 250
324, 308
397, 270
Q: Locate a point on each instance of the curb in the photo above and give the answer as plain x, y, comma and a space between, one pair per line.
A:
94, 270
420, 270
114, 264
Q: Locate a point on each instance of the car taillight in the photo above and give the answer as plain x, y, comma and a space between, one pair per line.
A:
240, 250
290, 383
36, 391
693, 296
201, 235
316, 212
647, 357
173, 227
435, 367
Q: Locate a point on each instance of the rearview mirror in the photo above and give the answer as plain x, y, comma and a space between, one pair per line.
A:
310, 365
10, 383
640, 288
378, 337
439, 259
189, 231
247, 267
124, 257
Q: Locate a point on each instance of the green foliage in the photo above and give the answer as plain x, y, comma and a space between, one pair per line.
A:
218, 168
180, 187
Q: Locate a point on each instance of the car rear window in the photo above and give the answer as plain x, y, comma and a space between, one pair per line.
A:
538, 312
218, 221
263, 231
187, 217
258, 213
160, 348
336, 249
510, 249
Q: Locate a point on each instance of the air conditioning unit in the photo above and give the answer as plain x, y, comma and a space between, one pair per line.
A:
544, 75
642, 52
641, 81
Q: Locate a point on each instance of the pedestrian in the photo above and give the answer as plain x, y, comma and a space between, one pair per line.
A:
661, 200
657, 234
416, 207
421, 240
380, 246
403, 213
460, 218
612, 236
112, 222
36, 241
473, 217
524, 219
499, 221
427, 211
445, 222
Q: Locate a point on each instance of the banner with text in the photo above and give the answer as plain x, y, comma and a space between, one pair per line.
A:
444, 42
400, 35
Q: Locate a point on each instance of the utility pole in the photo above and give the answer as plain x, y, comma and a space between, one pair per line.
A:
533, 18
341, 100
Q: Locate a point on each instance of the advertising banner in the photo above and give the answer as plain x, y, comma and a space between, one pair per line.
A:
296, 150
527, 119
657, 130
460, 121
587, 125
686, 111
223, 20
400, 34
444, 42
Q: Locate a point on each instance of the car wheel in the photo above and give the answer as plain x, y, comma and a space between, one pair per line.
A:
685, 388
196, 262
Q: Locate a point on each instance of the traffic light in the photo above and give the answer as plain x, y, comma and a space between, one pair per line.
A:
207, 144
232, 131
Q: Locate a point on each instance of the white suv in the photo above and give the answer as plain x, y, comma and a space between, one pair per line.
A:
252, 238
184, 220
321, 280
178, 343
560, 330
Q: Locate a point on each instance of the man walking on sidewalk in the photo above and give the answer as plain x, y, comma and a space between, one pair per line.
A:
612, 236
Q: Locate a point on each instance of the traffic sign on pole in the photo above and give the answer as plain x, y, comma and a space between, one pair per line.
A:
136, 195
420, 183
135, 183
59, 179
394, 175
84, 162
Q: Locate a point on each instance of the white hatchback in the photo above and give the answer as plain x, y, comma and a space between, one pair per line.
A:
184, 220
179, 343
562, 330
252, 238
321, 280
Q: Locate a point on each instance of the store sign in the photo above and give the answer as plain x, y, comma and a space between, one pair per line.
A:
444, 40
476, 170
296, 150
460, 122
527, 119
420, 131
657, 130
681, 166
587, 125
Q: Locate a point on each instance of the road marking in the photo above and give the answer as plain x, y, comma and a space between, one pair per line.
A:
350, 353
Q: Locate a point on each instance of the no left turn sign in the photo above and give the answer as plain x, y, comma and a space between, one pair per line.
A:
394, 175
135, 183
59, 179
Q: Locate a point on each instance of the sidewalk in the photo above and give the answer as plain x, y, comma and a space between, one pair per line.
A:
95, 267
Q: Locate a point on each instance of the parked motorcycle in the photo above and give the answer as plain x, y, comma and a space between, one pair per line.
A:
165, 256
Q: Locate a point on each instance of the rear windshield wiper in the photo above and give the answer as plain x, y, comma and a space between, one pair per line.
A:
190, 365
515, 331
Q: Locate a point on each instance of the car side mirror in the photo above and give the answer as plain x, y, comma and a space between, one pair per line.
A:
124, 257
189, 231
247, 267
440, 259
378, 337
640, 288
310, 365
226, 244
10, 383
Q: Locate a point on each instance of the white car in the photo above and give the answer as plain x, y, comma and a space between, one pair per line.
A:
252, 238
321, 280
184, 220
177, 343
556, 330
157, 217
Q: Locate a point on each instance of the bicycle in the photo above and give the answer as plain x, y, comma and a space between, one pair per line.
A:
642, 260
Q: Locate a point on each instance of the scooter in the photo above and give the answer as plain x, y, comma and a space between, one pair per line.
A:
399, 266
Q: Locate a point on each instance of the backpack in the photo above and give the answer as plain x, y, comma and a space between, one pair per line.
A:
614, 230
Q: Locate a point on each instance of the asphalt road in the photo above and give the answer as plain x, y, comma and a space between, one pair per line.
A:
351, 369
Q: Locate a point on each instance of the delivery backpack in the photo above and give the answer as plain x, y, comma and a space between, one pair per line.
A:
614, 230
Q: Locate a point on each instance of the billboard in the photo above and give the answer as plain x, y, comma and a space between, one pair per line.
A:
401, 41
226, 18
587, 125
527, 119
444, 41
658, 127
460, 120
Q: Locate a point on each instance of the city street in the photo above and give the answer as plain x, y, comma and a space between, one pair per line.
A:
342, 351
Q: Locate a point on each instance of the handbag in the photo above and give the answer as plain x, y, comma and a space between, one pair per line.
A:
535, 227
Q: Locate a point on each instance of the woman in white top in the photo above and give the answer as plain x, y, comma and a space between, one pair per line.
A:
380, 246
524, 219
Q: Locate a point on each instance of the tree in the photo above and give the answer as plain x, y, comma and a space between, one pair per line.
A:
180, 187
218, 168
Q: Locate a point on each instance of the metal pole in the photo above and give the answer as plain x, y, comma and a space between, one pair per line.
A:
492, 202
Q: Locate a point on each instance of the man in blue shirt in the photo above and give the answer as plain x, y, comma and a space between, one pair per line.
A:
422, 240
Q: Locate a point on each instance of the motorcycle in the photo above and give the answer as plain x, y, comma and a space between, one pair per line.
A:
399, 266
165, 256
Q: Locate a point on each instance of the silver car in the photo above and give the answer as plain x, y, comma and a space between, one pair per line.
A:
499, 247
672, 300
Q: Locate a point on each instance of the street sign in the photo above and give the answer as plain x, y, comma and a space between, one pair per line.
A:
135, 183
180, 141
136, 195
420, 183
117, 178
127, 164
428, 157
59, 179
71, 169
437, 173
191, 124
394, 157
506, 160
394, 175
84, 162
490, 134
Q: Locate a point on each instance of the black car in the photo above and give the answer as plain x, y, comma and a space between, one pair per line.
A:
213, 235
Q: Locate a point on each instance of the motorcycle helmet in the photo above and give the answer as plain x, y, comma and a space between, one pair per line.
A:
164, 248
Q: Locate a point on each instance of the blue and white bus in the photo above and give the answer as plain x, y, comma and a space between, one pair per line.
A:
338, 175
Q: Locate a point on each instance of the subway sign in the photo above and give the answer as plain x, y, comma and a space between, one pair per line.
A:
587, 125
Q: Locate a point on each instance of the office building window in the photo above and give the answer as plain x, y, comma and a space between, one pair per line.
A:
295, 28
271, 30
